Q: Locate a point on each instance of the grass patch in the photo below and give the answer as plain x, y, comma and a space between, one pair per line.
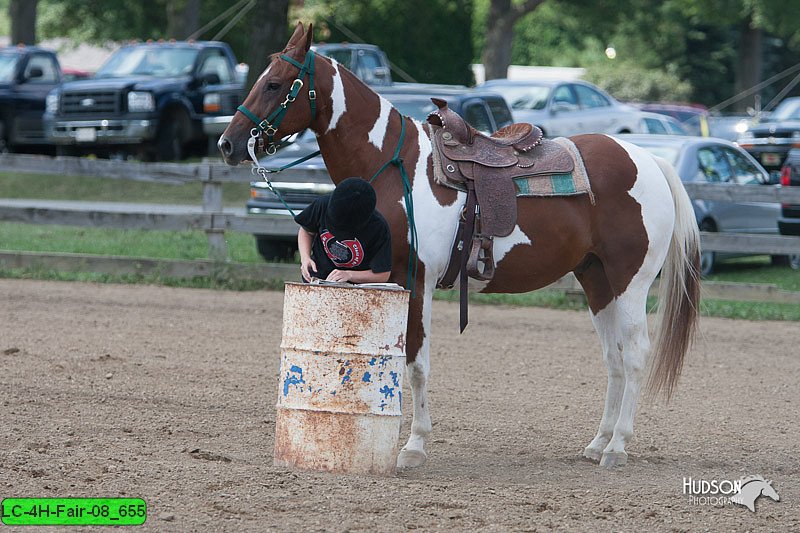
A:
95, 189
209, 282
131, 243
756, 269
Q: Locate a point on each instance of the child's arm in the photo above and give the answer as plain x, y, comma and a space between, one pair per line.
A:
359, 276
307, 265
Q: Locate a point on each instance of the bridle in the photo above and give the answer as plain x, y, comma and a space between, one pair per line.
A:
269, 126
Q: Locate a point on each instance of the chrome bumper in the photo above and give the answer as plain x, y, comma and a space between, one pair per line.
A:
100, 131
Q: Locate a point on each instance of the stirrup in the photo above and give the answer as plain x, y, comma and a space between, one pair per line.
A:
481, 254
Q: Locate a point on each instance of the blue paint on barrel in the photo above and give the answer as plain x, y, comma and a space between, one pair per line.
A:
387, 391
367, 377
293, 377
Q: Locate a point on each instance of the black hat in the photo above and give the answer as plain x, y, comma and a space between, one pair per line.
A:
351, 206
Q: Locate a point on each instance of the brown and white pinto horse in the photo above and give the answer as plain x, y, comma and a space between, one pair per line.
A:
641, 223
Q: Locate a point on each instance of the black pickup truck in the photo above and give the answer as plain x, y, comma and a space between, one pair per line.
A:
148, 100
27, 75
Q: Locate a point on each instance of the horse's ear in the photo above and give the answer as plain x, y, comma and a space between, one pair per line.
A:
309, 35
296, 35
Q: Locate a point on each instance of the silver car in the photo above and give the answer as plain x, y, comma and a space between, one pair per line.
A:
706, 159
563, 108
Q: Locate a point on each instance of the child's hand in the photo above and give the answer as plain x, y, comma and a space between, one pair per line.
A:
308, 268
340, 275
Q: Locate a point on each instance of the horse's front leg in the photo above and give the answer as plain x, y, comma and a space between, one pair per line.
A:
418, 369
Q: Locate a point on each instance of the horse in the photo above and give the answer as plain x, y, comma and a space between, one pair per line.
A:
638, 223
752, 488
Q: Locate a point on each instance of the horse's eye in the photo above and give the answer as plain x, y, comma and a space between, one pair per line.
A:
272, 86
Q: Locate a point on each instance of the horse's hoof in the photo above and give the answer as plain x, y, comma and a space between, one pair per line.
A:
612, 459
593, 454
411, 458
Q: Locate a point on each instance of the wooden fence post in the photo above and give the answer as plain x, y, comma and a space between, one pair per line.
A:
212, 204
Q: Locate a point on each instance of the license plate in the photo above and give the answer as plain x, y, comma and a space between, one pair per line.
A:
85, 135
771, 159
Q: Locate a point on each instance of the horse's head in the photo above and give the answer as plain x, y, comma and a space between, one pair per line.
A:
279, 104
769, 491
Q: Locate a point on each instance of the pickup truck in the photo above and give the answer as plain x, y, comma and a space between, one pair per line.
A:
148, 100
27, 75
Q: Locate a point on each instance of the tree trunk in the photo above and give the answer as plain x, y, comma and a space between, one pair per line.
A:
183, 18
750, 63
268, 34
503, 15
23, 21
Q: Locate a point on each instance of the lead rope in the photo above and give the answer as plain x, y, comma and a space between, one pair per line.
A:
413, 256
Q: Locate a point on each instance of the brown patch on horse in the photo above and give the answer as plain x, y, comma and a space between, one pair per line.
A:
623, 248
605, 244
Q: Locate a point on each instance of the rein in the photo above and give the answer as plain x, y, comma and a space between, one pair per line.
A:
413, 256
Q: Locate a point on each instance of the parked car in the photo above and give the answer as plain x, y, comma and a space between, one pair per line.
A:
484, 110
771, 140
789, 221
27, 75
728, 127
148, 99
567, 107
693, 117
366, 61
658, 124
706, 159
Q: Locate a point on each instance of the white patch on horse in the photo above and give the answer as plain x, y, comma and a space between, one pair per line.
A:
436, 224
339, 103
503, 245
264, 73
378, 132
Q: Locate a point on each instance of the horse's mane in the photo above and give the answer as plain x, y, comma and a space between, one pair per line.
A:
748, 479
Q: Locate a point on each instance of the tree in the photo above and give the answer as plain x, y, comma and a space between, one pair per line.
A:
268, 34
429, 39
23, 21
183, 18
503, 15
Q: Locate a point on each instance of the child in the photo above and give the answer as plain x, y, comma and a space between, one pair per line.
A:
343, 238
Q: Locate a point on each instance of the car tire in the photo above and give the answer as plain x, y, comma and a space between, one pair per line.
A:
272, 249
707, 259
794, 261
171, 137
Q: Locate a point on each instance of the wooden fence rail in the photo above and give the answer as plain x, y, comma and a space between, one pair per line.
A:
211, 217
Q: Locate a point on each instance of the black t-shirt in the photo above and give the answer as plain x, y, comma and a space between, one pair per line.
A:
368, 249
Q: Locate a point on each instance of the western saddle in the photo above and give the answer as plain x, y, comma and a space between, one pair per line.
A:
485, 167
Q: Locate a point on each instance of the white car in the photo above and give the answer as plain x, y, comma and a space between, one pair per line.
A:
562, 108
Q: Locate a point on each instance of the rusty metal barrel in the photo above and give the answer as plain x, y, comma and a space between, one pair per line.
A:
341, 378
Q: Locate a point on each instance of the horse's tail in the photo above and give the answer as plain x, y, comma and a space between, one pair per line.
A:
679, 291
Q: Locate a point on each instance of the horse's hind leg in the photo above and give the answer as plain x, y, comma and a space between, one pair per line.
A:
603, 312
634, 345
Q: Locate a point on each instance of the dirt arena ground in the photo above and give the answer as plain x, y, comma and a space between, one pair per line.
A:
168, 394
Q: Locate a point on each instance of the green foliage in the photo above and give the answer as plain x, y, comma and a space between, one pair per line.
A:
429, 39
631, 82
100, 21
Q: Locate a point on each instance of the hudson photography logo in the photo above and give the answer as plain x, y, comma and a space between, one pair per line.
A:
722, 492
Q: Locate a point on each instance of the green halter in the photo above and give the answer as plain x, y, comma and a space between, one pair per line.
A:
269, 125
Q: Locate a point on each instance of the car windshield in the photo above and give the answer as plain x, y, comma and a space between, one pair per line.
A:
787, 110
529, 97
161, 62
670, 153
8, 64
